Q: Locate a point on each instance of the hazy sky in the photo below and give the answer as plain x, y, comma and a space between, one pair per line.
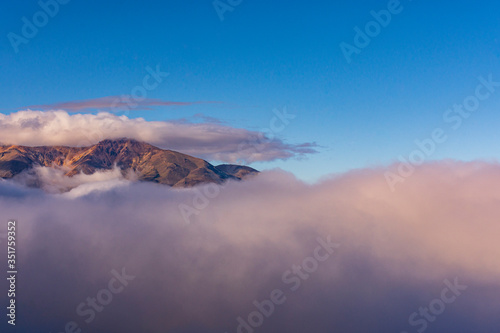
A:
270, 55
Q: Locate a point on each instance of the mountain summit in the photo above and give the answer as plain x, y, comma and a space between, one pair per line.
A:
147, 162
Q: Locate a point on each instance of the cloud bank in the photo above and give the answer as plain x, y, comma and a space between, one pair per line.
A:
54, 180
211, 141
398, 254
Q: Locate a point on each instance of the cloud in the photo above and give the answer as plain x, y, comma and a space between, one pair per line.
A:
211, 141
397, 250
112, 103
53, 179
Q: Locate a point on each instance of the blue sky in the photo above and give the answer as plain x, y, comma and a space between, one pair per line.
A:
268, 55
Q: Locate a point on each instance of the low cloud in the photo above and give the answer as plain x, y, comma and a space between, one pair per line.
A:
53, 179
211, 141
397, 252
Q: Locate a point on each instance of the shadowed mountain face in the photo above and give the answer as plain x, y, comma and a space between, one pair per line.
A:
238, 171
149, 163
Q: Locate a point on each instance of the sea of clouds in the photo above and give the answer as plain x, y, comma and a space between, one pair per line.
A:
395, 255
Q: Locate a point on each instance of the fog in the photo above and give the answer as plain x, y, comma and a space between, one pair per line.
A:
197, 259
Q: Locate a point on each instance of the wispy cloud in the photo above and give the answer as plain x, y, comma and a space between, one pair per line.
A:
114, 103
210, 140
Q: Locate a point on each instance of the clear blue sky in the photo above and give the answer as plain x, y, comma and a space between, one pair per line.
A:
270, 54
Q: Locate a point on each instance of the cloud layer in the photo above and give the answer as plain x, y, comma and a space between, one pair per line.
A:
210, 141
53, 179
397, 250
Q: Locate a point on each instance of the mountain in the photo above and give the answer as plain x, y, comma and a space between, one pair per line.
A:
148, 162
238, 171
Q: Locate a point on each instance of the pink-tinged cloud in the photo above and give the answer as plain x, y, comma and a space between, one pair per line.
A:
209, 140
250, 238
114, 103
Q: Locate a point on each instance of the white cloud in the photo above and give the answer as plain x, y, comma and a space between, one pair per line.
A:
53, 179
210, 141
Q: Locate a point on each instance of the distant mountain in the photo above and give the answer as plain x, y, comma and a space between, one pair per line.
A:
148, 162
238, 171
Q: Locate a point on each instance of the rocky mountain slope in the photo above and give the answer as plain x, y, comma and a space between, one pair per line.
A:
148, 162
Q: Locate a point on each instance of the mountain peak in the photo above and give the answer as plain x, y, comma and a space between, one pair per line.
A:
120, 141
148, 162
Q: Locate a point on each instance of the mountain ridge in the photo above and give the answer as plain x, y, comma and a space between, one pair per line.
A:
148, 162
